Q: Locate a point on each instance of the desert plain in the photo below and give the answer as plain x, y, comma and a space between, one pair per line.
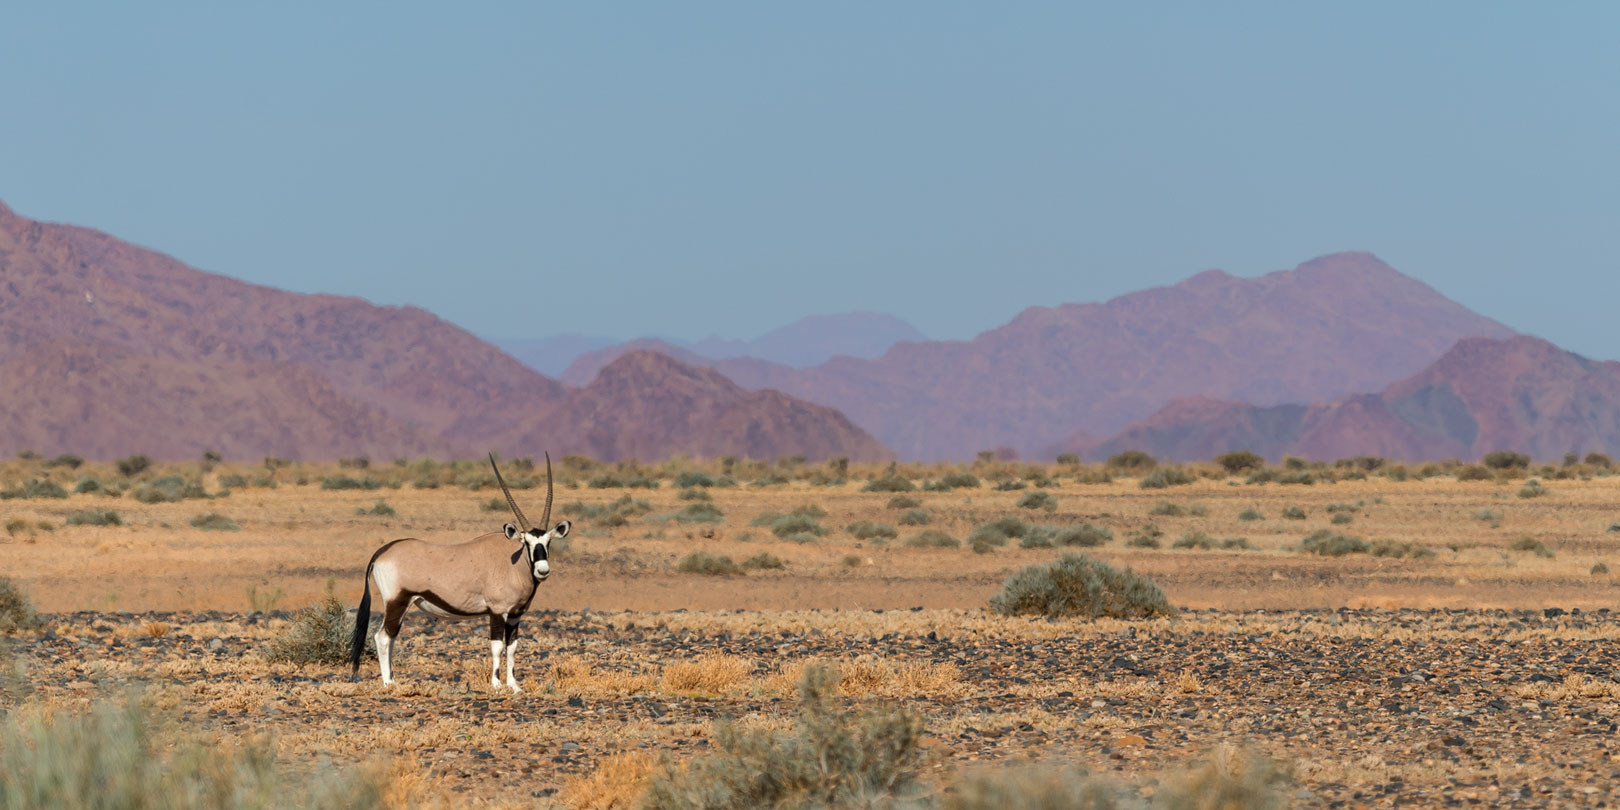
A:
1476, 669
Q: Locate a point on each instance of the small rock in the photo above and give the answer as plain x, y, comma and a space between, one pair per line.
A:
217, 645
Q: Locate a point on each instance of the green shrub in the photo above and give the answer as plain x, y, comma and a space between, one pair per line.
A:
1167, 509
832, 759
1068, 459
1196, 540
915, 517
1131, 461
1341, 519
700, 512
699, 562
88, 485
379, 509
786, 525
1600, 568
801, 537
1599, 460
1531, 544
1076, 585
318, 634
67, 460
693, 478
1390, 548
1302, 477
890, 484
1038, 500
95, 519
1294, 513
809, 510
763, 561
932, 538
852, 560
133, 465
1010, 485
35, 488
346, 482
1615, 526
1474, 472
996, 533
1084, 535
1038, 537
1238, 461
1250, 514
960, 480
695, 494
867, 530
16, 611
1330, 544
117, 757
904, 502
1143, 540
1532, 489
1165, 477
16, 526
615, 481
168, 489
215, 522
1505, 460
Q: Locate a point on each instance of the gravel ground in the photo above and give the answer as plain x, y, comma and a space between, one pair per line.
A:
1376, 708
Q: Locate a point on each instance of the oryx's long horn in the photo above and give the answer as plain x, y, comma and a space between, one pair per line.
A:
523, 522
545, 522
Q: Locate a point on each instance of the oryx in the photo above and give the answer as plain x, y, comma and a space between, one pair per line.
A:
489, 575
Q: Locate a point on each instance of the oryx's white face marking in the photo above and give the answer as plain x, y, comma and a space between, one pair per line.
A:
539, 545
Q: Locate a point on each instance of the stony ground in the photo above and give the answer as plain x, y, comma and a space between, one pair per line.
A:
1368, 707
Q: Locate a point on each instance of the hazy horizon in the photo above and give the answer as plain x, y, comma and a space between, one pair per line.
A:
730, 168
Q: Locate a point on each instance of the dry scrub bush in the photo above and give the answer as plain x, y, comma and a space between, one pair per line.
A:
702, 562
1164, 477
1532, 545
1038, 500
1076, 585
828, 759
319, 634
1230, 779
709, 673
117, 757
16, 611
616, 784
1572, 687
932, 538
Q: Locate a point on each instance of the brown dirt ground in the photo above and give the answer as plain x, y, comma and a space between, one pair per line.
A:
1382, 681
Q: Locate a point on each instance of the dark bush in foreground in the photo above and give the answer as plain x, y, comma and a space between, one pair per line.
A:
932, 538
1164, 477
318, 634
16, 611
699, 562
1038, 500
215, 522
116, 757
829, 759
1076, 585
1230, 779
95, 519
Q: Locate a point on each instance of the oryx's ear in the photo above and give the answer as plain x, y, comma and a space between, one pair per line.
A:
562, 529
511, 531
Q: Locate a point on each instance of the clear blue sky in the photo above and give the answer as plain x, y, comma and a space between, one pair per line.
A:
525, 169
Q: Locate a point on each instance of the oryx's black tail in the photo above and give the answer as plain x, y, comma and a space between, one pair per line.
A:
362, 622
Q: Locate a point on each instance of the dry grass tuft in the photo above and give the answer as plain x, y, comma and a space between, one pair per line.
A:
709, 673
1573, 687
870, 676
616, 784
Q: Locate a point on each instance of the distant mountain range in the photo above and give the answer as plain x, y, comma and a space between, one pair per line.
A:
1521, 394
805, 342
1334, 325
110, 349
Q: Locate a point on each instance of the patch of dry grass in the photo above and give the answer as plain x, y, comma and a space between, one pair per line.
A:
617, 783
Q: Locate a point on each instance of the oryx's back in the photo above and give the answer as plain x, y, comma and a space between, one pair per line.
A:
472, 577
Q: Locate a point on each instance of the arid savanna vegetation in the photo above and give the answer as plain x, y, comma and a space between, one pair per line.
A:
988, 634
